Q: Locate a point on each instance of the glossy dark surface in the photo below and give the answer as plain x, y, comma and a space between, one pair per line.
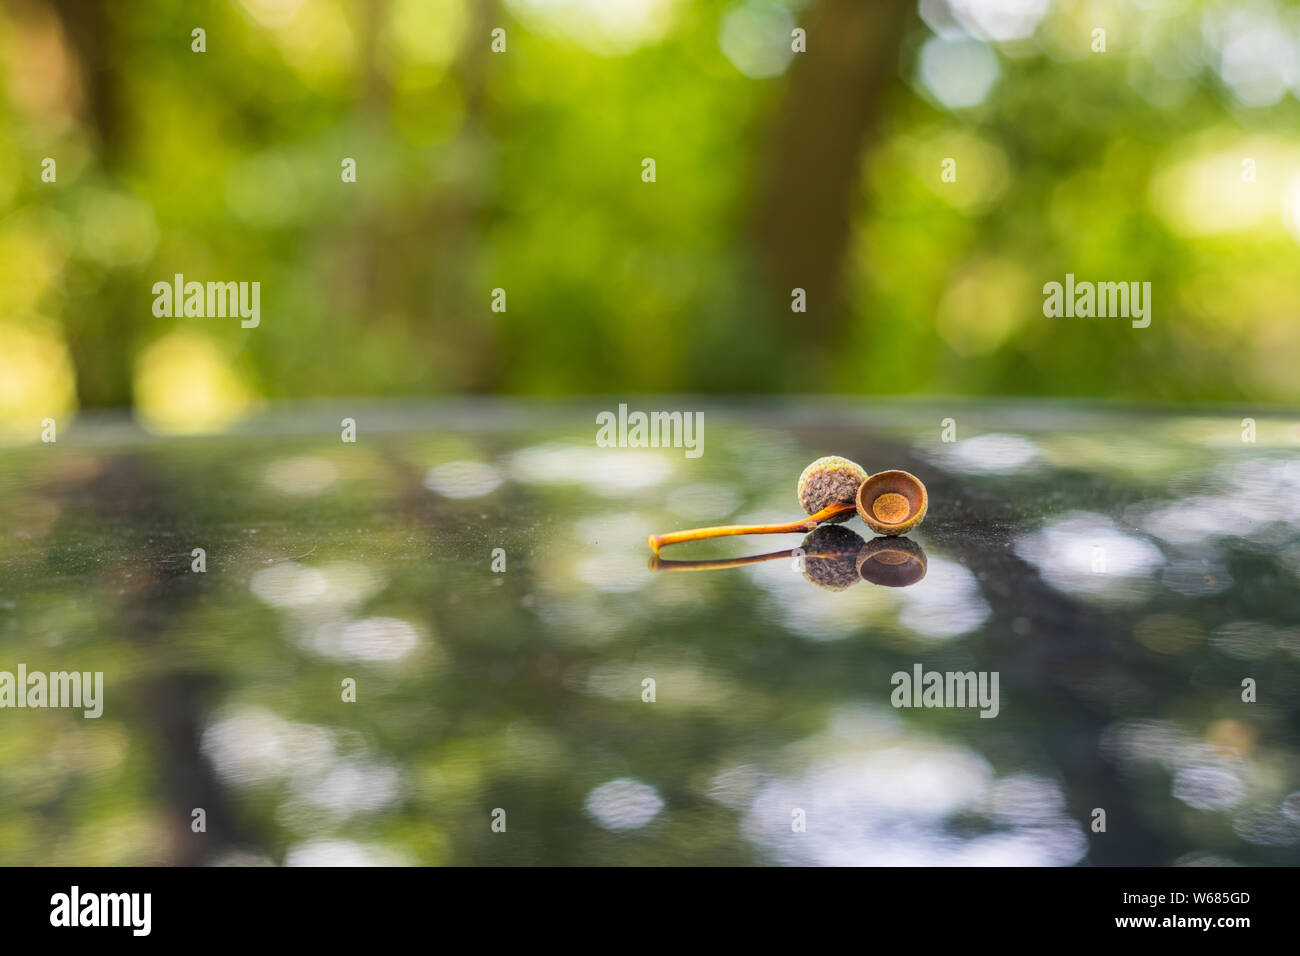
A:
1123, 571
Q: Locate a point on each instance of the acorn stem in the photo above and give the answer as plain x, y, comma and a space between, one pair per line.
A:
658, 541
664, 564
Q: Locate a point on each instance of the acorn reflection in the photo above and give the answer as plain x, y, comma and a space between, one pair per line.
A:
830, 557
834, 558
891, 562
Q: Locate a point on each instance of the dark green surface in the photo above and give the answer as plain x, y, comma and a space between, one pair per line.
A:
521, 690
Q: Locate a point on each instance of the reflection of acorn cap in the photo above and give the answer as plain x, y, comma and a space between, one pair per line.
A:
892, 502
891, 562
830, 558
830, 481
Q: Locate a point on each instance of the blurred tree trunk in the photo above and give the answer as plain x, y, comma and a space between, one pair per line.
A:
430, 292
812, 167
461, 311
94, 321
89, 33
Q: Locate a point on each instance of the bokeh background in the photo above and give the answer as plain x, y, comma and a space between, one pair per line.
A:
522, 171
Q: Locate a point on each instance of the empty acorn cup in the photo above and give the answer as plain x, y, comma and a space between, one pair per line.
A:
892, 502
891, 562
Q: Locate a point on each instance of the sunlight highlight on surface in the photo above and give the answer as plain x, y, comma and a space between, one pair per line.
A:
463, 479
610, 472
624, 804
369, 639
990, 454
893, 805
343, 853
1085, 555
306, 475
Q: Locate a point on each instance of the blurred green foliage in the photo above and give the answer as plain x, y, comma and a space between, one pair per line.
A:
522, 171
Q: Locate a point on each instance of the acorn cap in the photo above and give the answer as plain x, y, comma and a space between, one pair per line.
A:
829, 481
891, 562
892, 502
831, 557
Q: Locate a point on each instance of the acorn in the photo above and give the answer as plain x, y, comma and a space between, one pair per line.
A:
892, 502
830, 557
830, 481
891, 562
